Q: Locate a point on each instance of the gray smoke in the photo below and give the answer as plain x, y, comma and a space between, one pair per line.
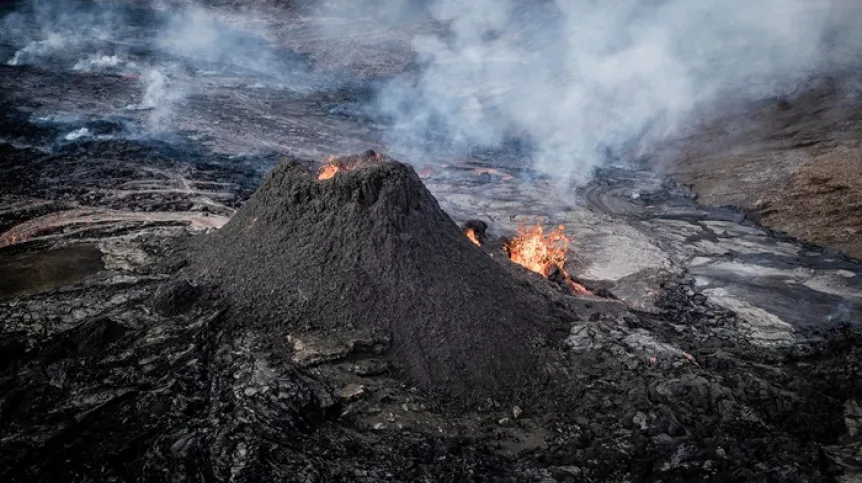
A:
578, 81
217, 42
176, 50
584, 78
44, 28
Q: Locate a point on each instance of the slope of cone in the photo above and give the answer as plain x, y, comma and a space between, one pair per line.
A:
371, 248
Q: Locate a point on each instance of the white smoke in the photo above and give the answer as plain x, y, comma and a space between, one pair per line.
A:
39, 48
577, 79
156, 91
77, 134
97, 63
188, 42
160, 95
581, 78
219, 43
49, 27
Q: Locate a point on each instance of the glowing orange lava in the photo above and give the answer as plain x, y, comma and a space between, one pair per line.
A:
532, 249
329, 169
333, 165
541, 253
471, 234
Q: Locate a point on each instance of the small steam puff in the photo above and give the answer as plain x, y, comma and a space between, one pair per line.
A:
156, 91
582, 79
77, 134
39, 48
159, 97
97, 63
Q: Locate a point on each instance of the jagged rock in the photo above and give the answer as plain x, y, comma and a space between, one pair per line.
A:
175, 298
351, 392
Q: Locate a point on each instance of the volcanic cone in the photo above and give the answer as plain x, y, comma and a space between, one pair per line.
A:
371, 248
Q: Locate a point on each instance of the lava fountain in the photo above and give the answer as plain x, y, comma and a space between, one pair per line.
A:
471, 234
328, 170
542, 253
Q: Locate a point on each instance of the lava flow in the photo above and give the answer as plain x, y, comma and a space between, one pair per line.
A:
329, 169
542, 253
333, 165
471, 234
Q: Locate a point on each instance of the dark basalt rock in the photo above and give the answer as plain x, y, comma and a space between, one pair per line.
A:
175, 298
372, 249
86, 340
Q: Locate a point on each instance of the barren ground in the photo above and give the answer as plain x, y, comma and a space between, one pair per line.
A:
794, 164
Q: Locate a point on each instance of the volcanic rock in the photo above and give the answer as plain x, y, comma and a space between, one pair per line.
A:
372, 249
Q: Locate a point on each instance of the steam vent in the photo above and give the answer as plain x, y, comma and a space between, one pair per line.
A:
371, 249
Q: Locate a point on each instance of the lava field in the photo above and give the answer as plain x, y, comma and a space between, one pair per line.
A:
217, 265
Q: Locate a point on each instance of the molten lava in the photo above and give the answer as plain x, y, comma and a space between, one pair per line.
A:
329, 169
532, 249
333, 165
542, 253
471, 234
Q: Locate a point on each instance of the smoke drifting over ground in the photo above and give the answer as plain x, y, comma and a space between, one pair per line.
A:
572, 83
584, 79
174, 51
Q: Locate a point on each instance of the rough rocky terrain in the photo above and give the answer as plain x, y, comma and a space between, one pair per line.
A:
681, 388
793, 163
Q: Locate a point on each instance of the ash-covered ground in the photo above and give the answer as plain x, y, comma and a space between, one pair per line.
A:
137, 344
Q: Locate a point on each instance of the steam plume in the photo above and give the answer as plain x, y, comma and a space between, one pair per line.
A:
170, 48
584, 78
